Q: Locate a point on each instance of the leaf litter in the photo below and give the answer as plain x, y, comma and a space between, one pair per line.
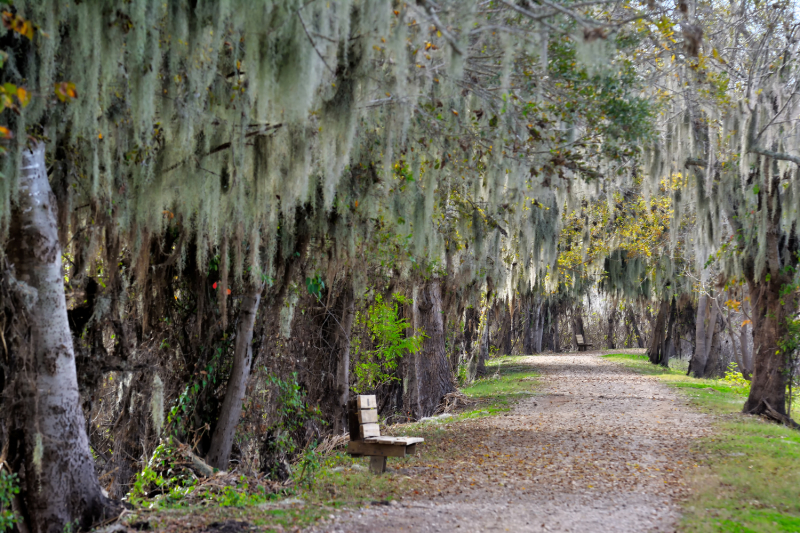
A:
597, 448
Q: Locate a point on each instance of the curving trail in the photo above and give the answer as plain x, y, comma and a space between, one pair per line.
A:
598, 448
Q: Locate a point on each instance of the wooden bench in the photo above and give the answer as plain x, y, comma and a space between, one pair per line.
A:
365, 435
581, 344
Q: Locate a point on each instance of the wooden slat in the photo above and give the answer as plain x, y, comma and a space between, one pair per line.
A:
408, 441
395, 441
355, 447
579, 338
366, 416
370, 430
366, 402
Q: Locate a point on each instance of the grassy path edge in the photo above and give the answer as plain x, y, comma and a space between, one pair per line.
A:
748, 474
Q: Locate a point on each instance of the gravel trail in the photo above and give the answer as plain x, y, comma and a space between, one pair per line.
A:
597, 448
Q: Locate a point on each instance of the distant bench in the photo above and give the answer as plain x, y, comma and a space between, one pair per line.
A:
365, 435
581, 344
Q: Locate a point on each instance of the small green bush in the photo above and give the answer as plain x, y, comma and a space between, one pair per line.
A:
9, 487
734, 378
387, 331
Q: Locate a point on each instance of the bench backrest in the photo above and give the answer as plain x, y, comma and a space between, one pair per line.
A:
580, 339
362, 416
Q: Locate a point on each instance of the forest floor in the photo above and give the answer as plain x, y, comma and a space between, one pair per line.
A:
562, 442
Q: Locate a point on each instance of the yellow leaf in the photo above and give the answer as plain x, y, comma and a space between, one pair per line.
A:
746, 322
23, 96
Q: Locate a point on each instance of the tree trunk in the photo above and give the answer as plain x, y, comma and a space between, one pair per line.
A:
745, 338
538, 333
529, 327
633, 330
471, 320
219, 453
697, 366
612, 324
506, 332
770, 311
658, 352
61, 487
342, 339
434, 380
556, 336
483, 342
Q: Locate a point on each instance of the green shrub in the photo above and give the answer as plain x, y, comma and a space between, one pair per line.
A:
288, 435
387, 333
9, 487
734, 378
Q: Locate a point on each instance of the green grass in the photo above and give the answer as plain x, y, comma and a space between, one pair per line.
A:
750, 477
506, 380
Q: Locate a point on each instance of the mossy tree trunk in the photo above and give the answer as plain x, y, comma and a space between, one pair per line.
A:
343, 328
60, 486
433, 377
772, 301
219, 453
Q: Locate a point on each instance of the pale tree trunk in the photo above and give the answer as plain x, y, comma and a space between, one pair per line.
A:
61, 486
434, 380
342, 346
612, 324
219, 453
697, 366
745, 338
539, 331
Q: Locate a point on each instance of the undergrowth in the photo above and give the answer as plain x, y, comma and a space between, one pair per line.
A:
338, 481
749, 480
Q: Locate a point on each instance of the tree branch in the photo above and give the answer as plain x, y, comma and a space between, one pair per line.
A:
776, 155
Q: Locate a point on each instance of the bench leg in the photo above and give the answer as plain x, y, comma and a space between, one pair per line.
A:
377, 464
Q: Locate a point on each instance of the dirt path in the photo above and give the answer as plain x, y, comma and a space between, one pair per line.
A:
598, 448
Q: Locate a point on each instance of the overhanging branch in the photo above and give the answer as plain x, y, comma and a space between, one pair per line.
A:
776, 155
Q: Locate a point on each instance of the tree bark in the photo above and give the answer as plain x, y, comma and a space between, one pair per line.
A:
483, 343
657, 351
697, 366
612, 324
61, 486
633, 330
529, 326
343, 330
219, 453
471, 320
770, 310
556, 335
434, 380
